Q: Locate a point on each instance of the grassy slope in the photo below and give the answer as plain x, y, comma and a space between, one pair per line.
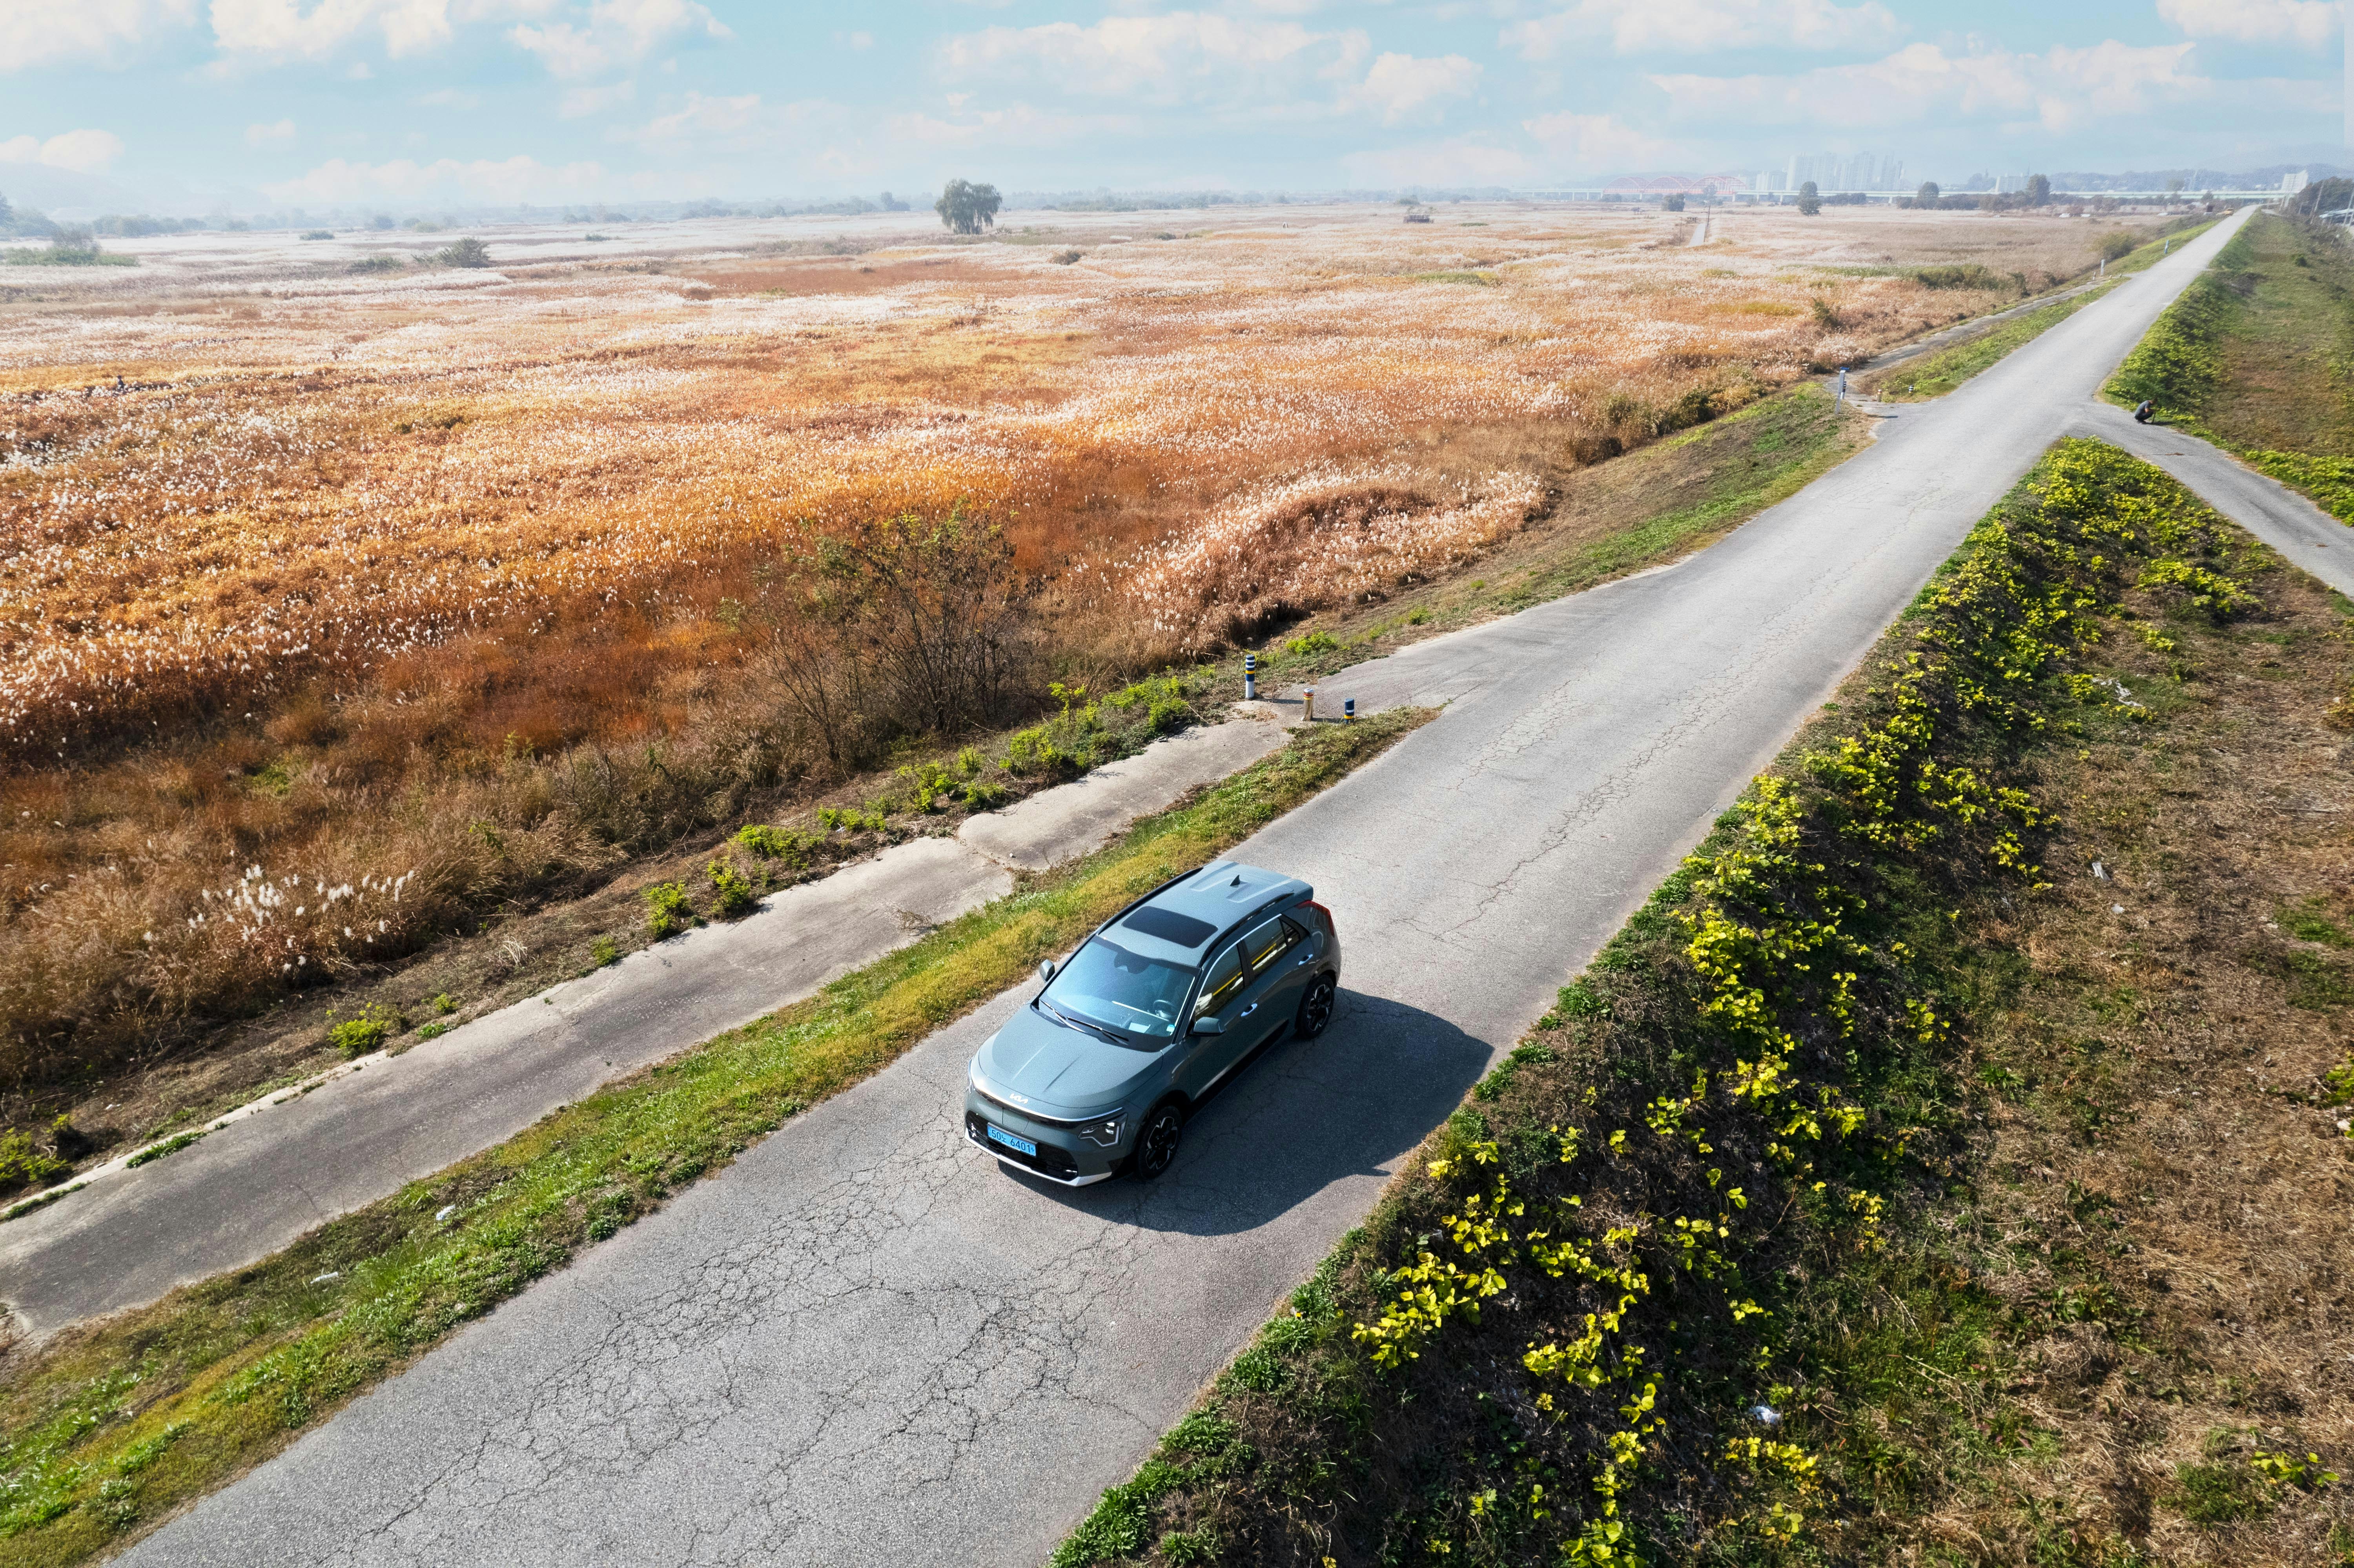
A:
106, 1428
2254, 357
2042, 1303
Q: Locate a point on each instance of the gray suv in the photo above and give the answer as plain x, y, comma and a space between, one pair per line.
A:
1153, 1011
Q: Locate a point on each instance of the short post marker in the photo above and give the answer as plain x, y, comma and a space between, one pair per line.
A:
1310, 695
1250, 677
1349, 710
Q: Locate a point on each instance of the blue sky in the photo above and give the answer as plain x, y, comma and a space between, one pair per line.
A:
409, 104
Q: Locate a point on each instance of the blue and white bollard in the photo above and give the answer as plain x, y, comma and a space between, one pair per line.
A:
1349, 710
1250, 677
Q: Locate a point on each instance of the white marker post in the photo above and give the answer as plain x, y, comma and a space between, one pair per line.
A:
1250, 677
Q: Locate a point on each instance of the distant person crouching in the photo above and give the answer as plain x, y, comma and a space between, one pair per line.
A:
2145, 412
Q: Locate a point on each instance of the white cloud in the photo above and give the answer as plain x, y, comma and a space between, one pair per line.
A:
1697, 26
262, 135
1250, 66
283, 29
1183, 56
861, 39
1594, 143
509, 180
83, 152
2308, 22
1020, 125
585, 100
1403, 87
37, 32
1920, 82
617, 35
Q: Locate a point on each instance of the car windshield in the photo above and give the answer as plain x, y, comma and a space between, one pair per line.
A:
1132, 996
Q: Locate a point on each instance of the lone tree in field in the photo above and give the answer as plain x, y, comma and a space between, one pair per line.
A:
968, 208
467, 253
1810, 200
1928, 195
2039, 190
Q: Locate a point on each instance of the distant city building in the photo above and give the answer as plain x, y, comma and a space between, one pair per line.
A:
2294, 181
1833, 172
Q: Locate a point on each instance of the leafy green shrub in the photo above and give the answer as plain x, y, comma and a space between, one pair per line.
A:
980, 796
316, 234
2288, 1470
930, 787
850, 819
1313, 642
667, 910
357, 1036
731, 894
1418, 617
445, 1004
22, 1164
379, 263
433, 1031
2118, 244
777, 844
605, 951
466, 252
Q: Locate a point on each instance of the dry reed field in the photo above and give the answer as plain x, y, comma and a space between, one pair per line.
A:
338, 607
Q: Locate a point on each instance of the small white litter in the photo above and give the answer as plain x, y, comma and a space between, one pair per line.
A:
2100, 872
322, 1278
447, 1210
1765, 1415
2116, 908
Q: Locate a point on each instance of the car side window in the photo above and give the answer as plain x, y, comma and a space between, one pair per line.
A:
1223, 980
1270, 942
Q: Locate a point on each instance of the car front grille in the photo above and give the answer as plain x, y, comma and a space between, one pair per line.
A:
1049, 1160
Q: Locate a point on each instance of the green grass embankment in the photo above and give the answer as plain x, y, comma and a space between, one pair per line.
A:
105, 1429
2253, 357
1746, 1165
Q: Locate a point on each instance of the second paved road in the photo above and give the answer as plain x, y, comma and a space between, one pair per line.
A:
864, 1343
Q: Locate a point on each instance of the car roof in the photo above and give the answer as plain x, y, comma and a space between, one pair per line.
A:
1213, 898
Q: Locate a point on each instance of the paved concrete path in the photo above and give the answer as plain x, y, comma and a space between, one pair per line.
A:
865, 1343
2288, 522
274, 1169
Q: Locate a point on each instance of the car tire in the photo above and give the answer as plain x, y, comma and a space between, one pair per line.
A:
1315, 1009
1156, 1144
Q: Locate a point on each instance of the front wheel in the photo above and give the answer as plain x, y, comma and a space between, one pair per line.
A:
1315, 1009
1156, 1146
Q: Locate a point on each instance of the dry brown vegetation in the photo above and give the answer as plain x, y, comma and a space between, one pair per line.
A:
366, 606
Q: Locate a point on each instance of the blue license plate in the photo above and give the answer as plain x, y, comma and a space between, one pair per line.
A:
999, 1135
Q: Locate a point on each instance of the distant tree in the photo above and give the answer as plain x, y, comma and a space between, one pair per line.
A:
7, 215
1928, 195
967, 209
2174, 186
2118, 244
893, 204
1675, 203
467, 253
1810, 200
381, 220
2039, 190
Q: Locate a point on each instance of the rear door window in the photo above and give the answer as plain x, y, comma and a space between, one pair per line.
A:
1267, 943
1224, 979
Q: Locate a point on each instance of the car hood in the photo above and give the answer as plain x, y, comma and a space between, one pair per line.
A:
1036, 1064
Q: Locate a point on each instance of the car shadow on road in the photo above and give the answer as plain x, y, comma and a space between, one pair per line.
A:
1299, 1116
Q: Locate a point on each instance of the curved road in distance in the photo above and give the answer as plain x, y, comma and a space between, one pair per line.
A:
866, 1343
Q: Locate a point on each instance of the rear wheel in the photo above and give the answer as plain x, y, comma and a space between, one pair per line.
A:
1156, 1146
1315, 1009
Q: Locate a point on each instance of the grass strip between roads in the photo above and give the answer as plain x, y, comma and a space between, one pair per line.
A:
108, 1427
2253, 357
1808, 1226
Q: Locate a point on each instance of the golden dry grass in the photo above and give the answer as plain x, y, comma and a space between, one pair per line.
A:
311, 598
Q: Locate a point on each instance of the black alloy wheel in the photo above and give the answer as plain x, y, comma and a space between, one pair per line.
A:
1156, 1146
1315, 1009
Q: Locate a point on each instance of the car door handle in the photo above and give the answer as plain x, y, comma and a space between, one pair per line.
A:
1305, 962
1246, 1012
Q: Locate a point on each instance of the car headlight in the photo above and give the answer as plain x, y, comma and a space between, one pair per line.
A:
1102, 1134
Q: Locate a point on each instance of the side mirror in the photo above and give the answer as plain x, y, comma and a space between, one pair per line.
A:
1206, 1024
1045, 970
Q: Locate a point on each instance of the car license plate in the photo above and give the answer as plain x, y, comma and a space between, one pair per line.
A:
999, 1135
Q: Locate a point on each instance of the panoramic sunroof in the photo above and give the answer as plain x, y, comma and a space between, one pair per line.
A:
1171, 927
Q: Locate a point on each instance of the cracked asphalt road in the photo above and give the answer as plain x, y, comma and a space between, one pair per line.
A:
866, 1343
